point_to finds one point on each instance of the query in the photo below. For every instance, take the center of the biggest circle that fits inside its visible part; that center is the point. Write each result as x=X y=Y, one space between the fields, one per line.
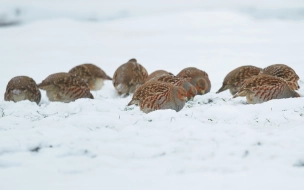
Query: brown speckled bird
x=178 y=81
x=262 y=88
x=284 y=72
x=236 y=78
x=129 y=76
x=198 y=78
x=22 y=88
x=92 y=74
x=158 y=73
x=65 y=87
x=156 y=95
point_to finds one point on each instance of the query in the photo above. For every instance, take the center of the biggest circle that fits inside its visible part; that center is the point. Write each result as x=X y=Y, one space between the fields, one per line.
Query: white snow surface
x=214 y=142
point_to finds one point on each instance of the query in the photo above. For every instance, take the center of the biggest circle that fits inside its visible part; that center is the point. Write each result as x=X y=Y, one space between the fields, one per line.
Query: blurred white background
x=12 y=11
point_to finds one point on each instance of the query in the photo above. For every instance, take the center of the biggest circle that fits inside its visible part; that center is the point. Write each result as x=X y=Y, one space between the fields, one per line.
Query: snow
x=214 y=142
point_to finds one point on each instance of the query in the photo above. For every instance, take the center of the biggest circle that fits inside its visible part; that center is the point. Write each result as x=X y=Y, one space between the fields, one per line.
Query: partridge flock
x=159 y=90
x=260 y=85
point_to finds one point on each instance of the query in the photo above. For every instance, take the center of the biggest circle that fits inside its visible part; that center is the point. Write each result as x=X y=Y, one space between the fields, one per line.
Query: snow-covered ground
x=215 y=142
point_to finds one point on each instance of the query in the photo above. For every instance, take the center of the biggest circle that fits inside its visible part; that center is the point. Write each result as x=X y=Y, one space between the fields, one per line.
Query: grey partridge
x=92 y=74
x=129 y=76
x=262 y=88
x=178 y=81
x=158 y=73
x=22 y=88
x=65 y=87
x=198 y=78
x=284 y=72
x=236 y=78
x=156 y=95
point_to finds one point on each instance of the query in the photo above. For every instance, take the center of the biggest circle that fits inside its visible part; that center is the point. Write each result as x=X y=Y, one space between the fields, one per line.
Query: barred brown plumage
x=92 y=74
x=65 y=87
x=262 y=88
x=285 y=72
x=197 y=78
x=129 y=76
x=22 y=88
x=236 y=78
x=158 y=73
x=178 y=81
x=156 y=95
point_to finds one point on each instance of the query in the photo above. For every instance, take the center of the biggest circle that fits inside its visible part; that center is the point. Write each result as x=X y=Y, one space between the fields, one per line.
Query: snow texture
x=214 y=142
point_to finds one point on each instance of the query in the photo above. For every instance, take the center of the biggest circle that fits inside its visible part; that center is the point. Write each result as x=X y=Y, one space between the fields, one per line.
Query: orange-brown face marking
x=191 y=92
x=182 y=94
x=195 y=76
